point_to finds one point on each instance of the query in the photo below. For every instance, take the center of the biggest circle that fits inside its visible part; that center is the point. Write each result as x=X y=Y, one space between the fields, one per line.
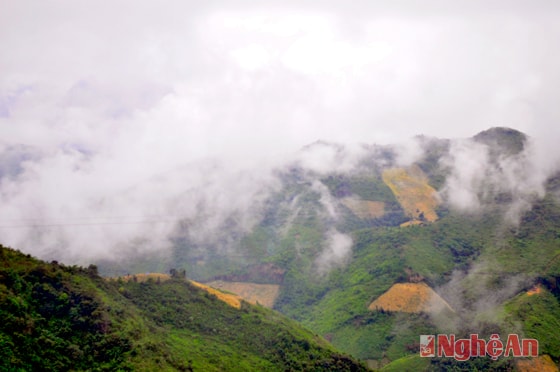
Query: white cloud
x=115 y=94
x=476 y=179
x=470 y=168
x=336 y=253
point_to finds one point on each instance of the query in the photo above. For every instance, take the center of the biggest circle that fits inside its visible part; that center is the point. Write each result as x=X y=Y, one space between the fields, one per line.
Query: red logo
x=427 y=346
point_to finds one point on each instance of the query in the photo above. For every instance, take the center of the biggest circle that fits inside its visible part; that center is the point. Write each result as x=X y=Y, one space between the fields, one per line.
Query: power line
x=86 y=224
x=153 y=219
x=155 y=216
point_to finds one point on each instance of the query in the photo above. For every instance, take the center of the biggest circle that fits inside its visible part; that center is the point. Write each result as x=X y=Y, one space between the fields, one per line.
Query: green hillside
x=481 y=261
x=62 y=318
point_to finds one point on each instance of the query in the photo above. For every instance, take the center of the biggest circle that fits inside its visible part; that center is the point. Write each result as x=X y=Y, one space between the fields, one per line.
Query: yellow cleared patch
x=230 y=299
x=410 y=298
x=414 y=194
x=543 y=363
x=263 y=294
x=365 y=208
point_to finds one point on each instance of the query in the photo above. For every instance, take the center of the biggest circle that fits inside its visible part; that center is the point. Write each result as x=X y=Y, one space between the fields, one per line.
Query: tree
x=178 y=274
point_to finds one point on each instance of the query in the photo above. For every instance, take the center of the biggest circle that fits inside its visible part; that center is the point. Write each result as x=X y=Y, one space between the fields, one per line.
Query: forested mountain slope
x=62 y=318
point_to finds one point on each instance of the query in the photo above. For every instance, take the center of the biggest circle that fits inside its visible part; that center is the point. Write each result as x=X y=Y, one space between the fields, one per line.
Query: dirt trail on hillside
x=263 y=294
x=410 y=298
x=230 y=299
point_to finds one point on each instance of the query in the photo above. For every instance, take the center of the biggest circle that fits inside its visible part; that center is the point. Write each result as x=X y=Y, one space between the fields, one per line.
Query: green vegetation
x=335 y=306
x=540 y=317
x=59 y=318
x=55 y=317
x=483 y=263
x=411 y=363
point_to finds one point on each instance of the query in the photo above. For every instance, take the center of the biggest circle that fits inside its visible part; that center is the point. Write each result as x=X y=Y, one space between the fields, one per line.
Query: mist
x=120 y=122
x=478 y=300
x=337 y=252
x=476 y=181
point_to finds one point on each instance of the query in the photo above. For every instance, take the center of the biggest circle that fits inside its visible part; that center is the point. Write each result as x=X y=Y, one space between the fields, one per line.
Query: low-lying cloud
x=477 y=299
x=476 y=179
x=336 y=253
x=75 y=208
x=114 y=129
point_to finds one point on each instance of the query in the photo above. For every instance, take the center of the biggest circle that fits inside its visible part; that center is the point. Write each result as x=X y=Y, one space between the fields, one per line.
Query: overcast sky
x=113 y=93
x=233 y=76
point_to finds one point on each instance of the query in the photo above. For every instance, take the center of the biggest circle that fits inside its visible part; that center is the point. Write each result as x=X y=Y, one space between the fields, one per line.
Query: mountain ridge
x=58 y=318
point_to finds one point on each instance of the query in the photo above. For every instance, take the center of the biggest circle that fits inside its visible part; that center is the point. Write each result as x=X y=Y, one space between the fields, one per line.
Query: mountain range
x=367 y=248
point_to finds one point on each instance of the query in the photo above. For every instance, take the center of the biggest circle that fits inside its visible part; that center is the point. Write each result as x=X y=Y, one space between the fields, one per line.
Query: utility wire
x=48 y=223
x=86 y=224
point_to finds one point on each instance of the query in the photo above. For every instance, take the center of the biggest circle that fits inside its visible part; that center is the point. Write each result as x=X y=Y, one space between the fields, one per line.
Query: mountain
x=68 y=318
x=503 y=140
x=455 y=220
x=473 y=222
